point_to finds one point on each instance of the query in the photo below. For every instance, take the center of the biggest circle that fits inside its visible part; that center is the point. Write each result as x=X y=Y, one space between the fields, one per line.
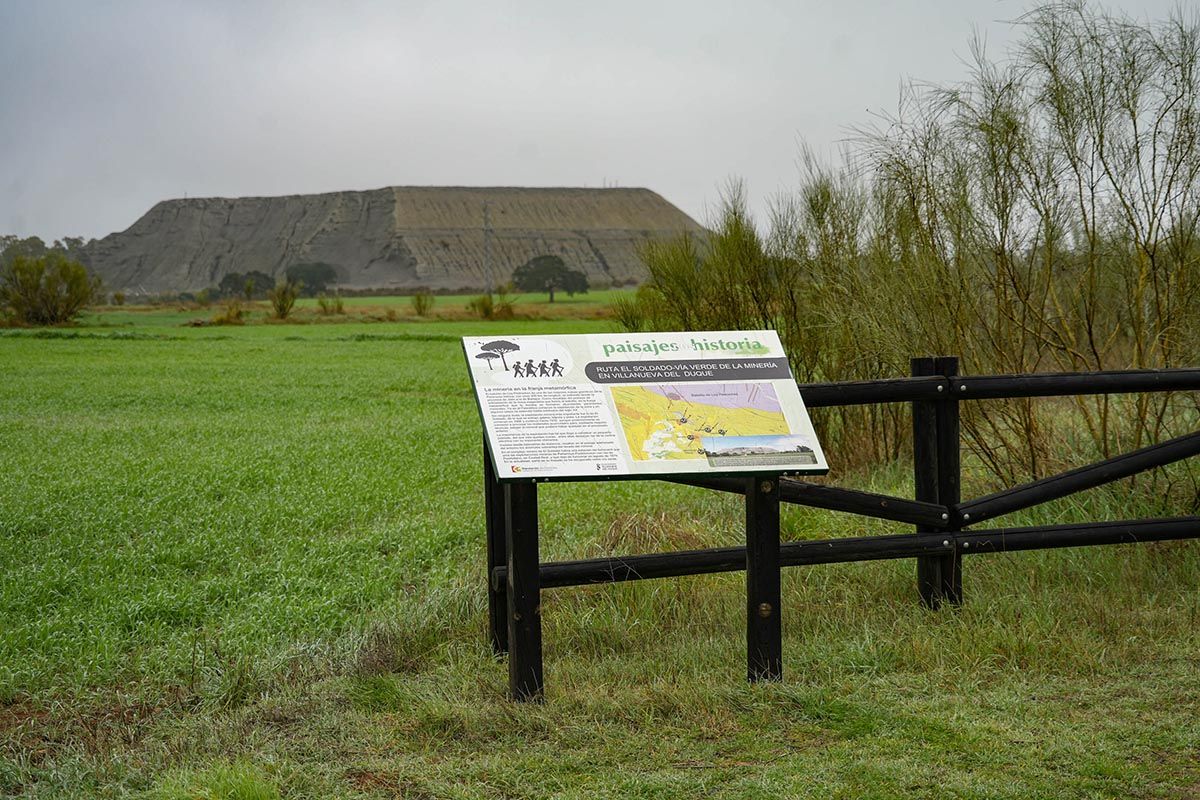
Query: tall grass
x=1040 y=216
x=328 y=305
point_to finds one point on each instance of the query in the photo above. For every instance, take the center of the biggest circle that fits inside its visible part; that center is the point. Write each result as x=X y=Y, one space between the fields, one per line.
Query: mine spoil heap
x=394 y=238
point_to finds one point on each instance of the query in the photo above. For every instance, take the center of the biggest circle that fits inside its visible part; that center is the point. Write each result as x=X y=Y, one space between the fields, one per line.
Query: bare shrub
x=232 y=313
x=504 y=306
x=329 y=305
x=422 y=303
x=482 y=306
x=1041 y=216
x=283 y=298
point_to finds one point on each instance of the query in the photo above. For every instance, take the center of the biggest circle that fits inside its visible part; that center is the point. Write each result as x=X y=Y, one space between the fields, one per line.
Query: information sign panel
x=593 y=406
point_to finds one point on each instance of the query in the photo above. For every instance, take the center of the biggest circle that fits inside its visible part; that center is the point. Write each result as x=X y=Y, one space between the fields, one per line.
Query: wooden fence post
x=937 y=479
x=524 y=592
x=925 y=480
x=764 y=635
x=949 y=471
x=497 y=555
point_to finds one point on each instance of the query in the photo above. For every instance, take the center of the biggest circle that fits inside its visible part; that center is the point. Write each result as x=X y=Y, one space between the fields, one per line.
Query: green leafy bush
x=47 y=290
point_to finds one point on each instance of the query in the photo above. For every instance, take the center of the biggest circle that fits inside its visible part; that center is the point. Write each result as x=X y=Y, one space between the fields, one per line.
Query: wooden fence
x=943 y=522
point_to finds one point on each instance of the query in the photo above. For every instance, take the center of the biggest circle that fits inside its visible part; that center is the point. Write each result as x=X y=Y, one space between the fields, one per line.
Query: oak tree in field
x=549 y=274
x=314 y=276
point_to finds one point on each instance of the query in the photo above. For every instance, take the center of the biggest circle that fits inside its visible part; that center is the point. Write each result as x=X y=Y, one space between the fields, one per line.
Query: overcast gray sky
x=107 y=108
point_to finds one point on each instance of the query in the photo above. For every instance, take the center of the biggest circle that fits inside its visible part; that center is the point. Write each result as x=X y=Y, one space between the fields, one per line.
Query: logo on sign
x=531 y=361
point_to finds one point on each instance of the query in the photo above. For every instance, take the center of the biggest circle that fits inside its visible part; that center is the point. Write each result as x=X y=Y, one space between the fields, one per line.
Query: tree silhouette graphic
x=488 y=356
x=500 y=347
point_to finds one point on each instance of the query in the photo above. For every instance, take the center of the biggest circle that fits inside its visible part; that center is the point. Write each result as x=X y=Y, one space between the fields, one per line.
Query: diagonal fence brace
x=835 y=498
x=1077 y=480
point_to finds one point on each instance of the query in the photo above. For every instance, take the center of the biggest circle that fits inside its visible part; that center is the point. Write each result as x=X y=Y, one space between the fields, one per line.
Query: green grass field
x=569 y=309
x=247 y=562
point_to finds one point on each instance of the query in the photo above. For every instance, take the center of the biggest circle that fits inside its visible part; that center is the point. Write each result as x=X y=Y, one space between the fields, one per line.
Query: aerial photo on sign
x=640 y=405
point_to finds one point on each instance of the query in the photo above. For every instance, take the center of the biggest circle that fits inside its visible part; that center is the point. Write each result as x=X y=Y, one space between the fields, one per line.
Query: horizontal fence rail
x=617 y=569
x=999 y=540
x=834 y=498
x=991 y=387
x=988 y=387
x=888 y=390
x=1077 y=480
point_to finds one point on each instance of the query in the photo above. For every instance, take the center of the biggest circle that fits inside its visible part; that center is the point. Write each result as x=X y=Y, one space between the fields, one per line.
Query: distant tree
x=33 y=247
x=313 y=276
x=46 y=290
x=248 y=285
x=548 y=274
x=71 y=246
x=575 y=283
x=15 y=247
x=232 y=284
x=258 y=284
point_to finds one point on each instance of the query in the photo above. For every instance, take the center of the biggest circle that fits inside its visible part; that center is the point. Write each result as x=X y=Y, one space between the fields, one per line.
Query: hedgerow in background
x=1040 y=216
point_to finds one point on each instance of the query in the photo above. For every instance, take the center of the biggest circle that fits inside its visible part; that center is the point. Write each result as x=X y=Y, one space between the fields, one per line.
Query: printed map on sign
x=672 y=421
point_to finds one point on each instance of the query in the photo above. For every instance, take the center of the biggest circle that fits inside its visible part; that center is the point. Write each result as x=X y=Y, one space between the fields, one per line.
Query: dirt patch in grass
x=38 y=733
x=367 y=780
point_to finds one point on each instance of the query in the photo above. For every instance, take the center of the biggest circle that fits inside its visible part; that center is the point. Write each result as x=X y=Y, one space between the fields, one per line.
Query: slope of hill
x=396 y=237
